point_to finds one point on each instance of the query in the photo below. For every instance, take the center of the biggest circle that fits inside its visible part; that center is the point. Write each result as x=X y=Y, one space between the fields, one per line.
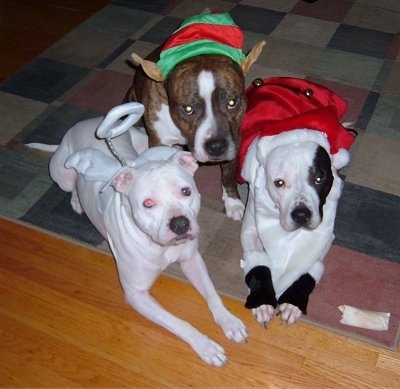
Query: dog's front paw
x=263 y=314
x=233 y=328
x=234 y=208
x=209 y=351
x=289 y=313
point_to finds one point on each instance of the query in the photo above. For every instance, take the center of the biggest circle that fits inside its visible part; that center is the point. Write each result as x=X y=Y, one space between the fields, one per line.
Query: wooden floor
x=28 y=27
x=64 y=322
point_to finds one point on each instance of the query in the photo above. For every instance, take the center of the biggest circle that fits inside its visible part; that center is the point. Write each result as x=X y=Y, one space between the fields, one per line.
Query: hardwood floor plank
x=389 y=361
x=56 y=362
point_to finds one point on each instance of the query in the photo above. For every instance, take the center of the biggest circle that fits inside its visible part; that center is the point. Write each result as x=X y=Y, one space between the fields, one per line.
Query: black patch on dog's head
x=320 y=176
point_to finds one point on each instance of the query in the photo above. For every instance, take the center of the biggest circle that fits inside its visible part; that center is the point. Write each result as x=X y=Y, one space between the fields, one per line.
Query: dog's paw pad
x=289 y=313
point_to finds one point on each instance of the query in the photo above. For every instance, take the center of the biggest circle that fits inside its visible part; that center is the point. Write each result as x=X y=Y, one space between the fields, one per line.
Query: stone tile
x=187 y=8
x=368 y=221
x=334 y=11
x=391 y=87
x=346 y=68
x=82 y=47
x=119 y=60
x=24 y=179
x=44 y=80
x=103 y=91
x=15 y=113
x=393 y=5
x=385 y=121
x=117 y=21
x=155 y=6
x=162 y=30
x=123 y=63
x=361 y=41
x=282 y=5
x=53 y=212
x=367 y=110
x=294 y=57
x=394 y=50
x=373 y=17
x=376 y=164
x=254 y=19
x=304 y=29
x=51 y=125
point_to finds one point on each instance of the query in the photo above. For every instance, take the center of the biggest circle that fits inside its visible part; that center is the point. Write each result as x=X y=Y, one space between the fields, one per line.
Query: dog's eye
x=186 y=191
x=148 y=203
x=232 y=103
x=318 y=180
x=188 y=109
x=279 y=183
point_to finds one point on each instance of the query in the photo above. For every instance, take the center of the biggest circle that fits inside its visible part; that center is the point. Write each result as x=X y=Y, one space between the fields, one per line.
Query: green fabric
x=171 y=57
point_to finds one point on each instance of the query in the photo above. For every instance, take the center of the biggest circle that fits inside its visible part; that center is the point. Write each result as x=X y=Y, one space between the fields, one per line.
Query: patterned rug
x=352 y=47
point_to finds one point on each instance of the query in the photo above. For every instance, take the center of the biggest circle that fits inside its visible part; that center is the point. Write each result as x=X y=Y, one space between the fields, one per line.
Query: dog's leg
x=75 y=202
x=197 y=273
x=261 y=300
x=209 y=351
x=234 y=207
x=294 y=300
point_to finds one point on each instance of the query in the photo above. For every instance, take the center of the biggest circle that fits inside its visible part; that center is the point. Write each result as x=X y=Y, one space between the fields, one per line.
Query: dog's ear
x=186 y=159
x=149 y=67
x=263 y=149
x=252 y=56
x=123 y=180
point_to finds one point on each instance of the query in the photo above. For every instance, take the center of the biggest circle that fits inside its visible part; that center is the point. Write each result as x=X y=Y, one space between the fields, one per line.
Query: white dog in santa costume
x=292 y=147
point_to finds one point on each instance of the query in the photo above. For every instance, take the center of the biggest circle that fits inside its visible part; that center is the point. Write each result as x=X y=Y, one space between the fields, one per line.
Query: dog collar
x=202 y=34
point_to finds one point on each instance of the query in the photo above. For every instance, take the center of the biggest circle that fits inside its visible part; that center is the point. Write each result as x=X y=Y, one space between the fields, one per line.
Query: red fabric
x=225 y=34
x=280 y=104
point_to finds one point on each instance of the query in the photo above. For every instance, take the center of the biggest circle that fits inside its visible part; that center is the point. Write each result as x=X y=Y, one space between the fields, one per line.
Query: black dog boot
x=262 y=291
x=298 y=293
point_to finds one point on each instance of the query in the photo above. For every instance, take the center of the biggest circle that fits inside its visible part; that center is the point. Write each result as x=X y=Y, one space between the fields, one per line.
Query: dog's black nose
x=215 y=147
x=301 y=215
x=180 y=225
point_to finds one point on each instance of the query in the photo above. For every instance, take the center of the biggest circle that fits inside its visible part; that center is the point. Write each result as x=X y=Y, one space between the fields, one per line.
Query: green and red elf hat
x=202 y=34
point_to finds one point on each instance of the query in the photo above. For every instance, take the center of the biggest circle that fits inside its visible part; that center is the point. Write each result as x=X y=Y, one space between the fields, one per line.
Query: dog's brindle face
x=165 y=203
x=299 y=178
x=207 y=102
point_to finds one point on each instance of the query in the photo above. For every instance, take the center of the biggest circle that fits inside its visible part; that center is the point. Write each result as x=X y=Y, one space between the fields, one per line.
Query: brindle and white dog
x=193 y=88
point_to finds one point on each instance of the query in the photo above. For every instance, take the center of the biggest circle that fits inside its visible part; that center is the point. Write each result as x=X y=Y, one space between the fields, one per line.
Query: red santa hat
x=280 y=104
